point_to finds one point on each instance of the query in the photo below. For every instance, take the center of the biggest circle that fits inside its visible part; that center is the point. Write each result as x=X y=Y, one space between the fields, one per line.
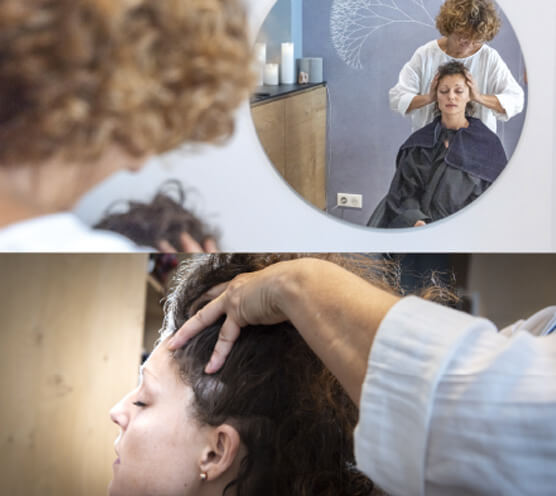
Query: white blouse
x=62 y=232
x=451 y=406
x=487 y=68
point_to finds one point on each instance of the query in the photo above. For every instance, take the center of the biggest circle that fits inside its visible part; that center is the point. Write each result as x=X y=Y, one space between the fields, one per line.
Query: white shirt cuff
x=413 y=346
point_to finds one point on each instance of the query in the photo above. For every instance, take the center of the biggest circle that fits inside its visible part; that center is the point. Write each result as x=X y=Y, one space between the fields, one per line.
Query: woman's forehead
x=452 y=80
x=160 y=365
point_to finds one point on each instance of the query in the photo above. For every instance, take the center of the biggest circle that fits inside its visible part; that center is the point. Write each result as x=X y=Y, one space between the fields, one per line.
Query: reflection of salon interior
x=339 y=150
x=75 y=327
x=289 y=105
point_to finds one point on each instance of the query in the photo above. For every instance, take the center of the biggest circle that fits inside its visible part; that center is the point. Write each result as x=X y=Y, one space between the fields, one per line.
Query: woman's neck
x=14 y=208
x=455 y=122
x=28 y=191
x=444 y=45
x=31 y=190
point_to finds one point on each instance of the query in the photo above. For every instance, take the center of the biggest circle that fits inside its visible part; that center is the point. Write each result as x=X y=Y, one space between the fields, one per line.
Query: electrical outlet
x=349 y=200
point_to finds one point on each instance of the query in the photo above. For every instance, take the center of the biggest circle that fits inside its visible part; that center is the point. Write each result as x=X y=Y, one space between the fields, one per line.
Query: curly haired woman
x=465 y=26
x=90 y=87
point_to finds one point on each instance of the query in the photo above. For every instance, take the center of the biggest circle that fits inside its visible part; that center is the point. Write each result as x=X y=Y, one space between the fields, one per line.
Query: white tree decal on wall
x=353 y=22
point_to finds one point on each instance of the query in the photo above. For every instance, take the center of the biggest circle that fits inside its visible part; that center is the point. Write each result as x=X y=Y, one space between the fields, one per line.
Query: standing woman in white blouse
x=465 y=26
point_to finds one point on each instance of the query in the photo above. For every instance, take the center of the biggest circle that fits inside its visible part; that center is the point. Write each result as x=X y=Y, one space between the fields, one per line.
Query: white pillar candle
x=271 y=74
x=288 y=64
x=260 y=60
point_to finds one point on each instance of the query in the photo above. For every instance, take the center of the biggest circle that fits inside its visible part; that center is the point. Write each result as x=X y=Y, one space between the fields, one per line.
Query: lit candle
x=271 y=74
x=260 y=60
x=288 y=64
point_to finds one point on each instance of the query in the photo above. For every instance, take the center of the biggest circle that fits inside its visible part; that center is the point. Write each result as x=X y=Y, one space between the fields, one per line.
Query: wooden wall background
x=71 y=335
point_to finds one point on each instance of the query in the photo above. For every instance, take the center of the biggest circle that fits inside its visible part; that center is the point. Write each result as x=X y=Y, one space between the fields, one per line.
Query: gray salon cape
x=432 y=181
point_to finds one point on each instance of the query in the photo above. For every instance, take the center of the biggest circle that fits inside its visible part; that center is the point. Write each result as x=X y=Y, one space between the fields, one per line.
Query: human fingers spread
x=208 y=315
x=165 y=247
x=210 y=246
x=433 y=88
x=226 y=338
x=189 y=245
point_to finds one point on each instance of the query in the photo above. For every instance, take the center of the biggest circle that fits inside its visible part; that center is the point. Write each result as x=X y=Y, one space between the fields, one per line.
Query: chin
x=113 y=489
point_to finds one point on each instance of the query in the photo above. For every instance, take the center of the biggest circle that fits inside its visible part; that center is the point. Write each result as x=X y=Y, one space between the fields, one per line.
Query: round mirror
x=361 y=133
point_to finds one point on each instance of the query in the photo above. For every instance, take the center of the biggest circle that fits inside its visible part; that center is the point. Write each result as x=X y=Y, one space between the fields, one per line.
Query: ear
x=221 y=452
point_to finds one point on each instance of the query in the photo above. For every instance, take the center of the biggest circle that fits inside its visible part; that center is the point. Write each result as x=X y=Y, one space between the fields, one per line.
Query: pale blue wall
x=284 y=23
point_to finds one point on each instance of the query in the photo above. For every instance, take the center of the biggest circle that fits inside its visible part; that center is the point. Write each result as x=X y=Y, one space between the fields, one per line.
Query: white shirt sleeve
x=503 y=85
x=409 y=84
x=451 y=406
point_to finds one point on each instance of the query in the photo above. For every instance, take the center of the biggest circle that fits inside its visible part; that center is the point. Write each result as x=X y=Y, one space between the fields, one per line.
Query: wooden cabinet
x=292 y=130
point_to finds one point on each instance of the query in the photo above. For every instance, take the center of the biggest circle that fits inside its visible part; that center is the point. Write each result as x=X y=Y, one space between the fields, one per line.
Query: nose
x=118 y=414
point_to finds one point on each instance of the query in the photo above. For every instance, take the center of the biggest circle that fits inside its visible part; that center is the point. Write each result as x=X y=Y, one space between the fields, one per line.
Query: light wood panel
x=292 y=131
x=71 y=335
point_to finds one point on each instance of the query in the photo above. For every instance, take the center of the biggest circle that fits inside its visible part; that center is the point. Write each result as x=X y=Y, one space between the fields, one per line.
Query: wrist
x=290 y=283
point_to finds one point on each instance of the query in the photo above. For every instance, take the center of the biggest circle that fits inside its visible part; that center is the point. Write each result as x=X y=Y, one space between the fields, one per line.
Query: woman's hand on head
x=249 y=298
x=474 y=93
x=188 y=245
x=433 y=88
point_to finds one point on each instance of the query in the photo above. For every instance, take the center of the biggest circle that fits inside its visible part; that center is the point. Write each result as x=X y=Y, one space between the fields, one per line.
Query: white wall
x=256 y=210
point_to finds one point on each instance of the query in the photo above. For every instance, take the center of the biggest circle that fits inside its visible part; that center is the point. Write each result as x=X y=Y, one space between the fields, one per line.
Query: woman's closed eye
x=139 y=404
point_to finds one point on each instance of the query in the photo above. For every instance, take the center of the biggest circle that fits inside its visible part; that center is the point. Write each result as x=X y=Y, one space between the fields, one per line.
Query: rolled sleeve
x=512 y=102
x=505 y=87
x=413 y=347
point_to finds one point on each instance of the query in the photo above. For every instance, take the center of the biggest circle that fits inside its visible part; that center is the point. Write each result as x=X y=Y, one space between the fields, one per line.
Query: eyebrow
x=142 y=370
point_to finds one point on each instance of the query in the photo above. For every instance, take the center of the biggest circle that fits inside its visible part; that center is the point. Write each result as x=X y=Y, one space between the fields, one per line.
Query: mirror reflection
x=384 y=141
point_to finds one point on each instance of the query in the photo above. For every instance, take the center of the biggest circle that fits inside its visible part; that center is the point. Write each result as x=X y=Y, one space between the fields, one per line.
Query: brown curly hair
x=291 y=413
x=77 y=76
x=477 y=18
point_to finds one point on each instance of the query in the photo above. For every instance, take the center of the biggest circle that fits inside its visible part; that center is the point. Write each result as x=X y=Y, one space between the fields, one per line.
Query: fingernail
x=209 y=369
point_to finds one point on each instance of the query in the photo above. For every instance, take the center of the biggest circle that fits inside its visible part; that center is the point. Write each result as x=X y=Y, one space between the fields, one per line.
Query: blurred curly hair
x=77 y=76
x=165 y=217
x=477 y=18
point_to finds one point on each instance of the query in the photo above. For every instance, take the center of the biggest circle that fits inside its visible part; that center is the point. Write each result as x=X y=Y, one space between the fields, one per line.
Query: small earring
x=204 y=476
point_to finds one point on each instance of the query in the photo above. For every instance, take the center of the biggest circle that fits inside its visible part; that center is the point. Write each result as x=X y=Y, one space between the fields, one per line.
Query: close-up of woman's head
x=273 y=420
x=471 y=20
x=452 y=89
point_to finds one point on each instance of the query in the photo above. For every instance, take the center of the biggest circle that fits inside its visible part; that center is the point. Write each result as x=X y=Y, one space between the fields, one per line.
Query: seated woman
x=444 y=166
x=272 y=421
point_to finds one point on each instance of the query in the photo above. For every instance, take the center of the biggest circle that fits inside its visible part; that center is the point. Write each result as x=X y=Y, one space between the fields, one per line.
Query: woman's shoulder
x=488 y=54
x=476 y=125
x=429 y=48
x=424 y=137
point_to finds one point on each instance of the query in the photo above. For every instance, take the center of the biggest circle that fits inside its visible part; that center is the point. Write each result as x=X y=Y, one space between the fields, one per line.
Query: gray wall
x=360 y=67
